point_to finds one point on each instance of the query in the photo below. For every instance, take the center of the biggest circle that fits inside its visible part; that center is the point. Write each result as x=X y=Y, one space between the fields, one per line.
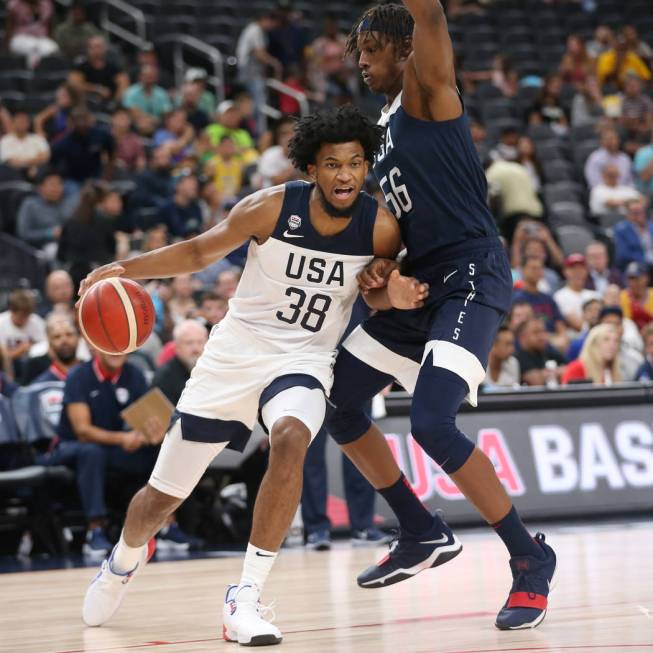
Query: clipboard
x=152 y=404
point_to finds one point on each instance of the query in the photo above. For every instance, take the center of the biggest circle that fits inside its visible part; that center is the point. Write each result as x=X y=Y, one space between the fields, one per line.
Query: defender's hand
x=103 y=272
x=376 y=274
x=406 y=292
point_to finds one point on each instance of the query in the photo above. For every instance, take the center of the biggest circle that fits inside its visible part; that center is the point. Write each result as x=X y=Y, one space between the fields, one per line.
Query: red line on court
x=444 y=617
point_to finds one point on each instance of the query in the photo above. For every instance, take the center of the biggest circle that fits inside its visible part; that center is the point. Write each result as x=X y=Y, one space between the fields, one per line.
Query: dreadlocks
x=392 y=20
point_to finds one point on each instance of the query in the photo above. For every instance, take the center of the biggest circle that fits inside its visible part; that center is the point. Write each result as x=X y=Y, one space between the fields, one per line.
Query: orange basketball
x=116 y=315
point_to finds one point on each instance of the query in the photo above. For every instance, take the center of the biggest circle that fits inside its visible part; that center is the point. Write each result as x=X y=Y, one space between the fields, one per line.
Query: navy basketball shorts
x=470 y=294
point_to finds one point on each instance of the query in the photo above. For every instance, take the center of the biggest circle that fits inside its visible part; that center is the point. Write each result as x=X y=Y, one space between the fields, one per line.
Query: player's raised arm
x=253 y=217
x=433 y=58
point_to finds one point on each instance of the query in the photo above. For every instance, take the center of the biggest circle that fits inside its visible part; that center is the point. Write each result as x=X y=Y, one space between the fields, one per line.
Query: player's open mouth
x=344 y=192
x=366 y=77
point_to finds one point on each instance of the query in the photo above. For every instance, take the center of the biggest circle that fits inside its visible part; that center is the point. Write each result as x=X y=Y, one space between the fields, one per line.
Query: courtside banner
x=553 y=462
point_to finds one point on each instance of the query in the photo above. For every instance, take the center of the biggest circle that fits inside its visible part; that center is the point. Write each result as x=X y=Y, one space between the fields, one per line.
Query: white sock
x=125 y=558
x=257 y=566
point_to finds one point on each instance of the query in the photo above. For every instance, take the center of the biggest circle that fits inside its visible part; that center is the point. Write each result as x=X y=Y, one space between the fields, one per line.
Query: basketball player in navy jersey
x=434 y=184
x=271 y=357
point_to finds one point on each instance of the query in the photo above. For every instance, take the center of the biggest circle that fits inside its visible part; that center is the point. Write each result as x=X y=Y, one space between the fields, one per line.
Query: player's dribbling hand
x=406 y=292
x=376 y=274
x=103 y=272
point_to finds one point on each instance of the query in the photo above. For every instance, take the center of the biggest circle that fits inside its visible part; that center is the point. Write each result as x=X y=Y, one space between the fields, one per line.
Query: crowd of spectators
x=120 y=162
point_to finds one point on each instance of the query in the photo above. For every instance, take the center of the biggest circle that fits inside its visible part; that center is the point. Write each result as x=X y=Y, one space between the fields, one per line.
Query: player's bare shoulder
x=387 y=235
x=260 y=211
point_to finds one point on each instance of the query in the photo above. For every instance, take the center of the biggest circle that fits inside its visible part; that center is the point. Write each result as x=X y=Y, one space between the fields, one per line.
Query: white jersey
x=298 y=288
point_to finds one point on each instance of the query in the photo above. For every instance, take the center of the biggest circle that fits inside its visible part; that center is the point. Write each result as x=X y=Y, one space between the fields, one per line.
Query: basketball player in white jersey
x=271 y=356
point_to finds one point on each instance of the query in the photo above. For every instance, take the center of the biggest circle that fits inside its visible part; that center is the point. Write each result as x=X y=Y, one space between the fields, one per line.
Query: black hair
x=392 y=20
x=342 y=125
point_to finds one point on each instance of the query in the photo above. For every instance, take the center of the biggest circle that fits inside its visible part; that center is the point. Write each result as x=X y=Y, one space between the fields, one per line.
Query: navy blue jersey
x=433 y=182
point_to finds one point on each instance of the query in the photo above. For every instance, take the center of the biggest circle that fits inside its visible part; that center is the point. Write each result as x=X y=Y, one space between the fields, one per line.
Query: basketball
x=116 y=315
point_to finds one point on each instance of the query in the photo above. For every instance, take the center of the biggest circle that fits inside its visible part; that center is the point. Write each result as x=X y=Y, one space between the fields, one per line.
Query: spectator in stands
x=227 y=282
x=87 y=152
x=601 y=275
x=547 y=108
x=195 y=79
x=598 y=362
x=155 y=185
x=613 y=65
x=513 y=194
x=636 y=111
x=506 y=148
x=591 y=313
x=479 y=136
x=63 y=340
x=502 y=75
x=54 y=121
x=637 y=298
x=94 y=437
x=182 y=305
x=576 y=65
x=59 y=293
x=645 y=371
x=226 y=169
x=73 y=34
x=527 y=156
x=253 y=59
x=42 y=216
x=635 y=44
x=21 y=149
x=147 y=101
x=533 y=238
x=189 y=337
x=7 y=386
x=129 y=149
x=587 y=103
x=631 y=345
x=633 y=237
x=88 y=238
x=535 y=352
x=212 y=310
x=20 y=326
x=602 y=42
x=190 y=101
x=610 y=197
x=520 y=311
x=228 y=124
x=98 y=77
x=572 y=296
x=327 y=64
x=29 y=24
x=643 y=168
x=182 y=214
x=544 y=307
x=176 y=136
x=503 y=368
x=274 y=167
x=608 y=153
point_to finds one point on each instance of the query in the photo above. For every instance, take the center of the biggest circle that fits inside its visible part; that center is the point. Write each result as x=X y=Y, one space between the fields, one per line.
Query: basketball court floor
x=602 y=602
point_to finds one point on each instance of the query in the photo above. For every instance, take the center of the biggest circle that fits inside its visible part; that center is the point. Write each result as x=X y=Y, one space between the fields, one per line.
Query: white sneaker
x=242 y=620
x=108 y=588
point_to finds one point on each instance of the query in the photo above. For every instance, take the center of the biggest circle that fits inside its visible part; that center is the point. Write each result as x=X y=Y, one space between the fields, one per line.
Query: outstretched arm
x=252 y=217
x=433 y=58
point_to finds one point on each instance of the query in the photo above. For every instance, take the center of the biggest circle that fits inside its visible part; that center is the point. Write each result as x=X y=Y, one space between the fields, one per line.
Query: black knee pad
x=437 y=399
x=347 y=424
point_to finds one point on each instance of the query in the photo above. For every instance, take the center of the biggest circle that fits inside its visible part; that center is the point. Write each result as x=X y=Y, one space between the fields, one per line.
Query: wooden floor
x=603 y=602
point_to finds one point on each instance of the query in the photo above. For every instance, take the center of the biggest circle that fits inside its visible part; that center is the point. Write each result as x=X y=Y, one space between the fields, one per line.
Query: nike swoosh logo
x=443 y=540
x=449 y=276
x=94 y=393
x=289 y=235
x=262 y=555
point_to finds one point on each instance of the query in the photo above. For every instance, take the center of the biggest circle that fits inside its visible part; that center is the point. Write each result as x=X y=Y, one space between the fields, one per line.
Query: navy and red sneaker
x=409 y=555
x=532 y=578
